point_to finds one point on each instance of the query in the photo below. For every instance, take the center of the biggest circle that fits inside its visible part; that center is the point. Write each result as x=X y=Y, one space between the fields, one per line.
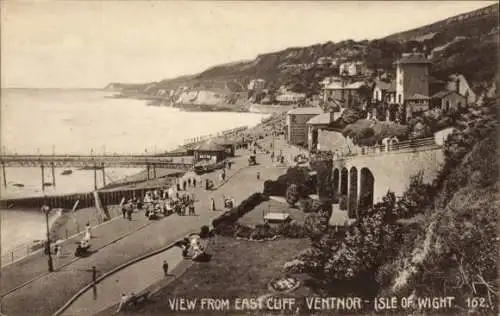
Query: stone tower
x=412 y=76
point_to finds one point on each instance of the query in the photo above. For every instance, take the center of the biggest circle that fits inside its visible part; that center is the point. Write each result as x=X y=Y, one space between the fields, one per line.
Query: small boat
x=18 y=185
x=47 y=184
x=66 y=172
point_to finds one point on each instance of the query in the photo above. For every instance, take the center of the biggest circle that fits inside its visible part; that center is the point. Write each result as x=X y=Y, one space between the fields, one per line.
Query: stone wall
x=392 y=170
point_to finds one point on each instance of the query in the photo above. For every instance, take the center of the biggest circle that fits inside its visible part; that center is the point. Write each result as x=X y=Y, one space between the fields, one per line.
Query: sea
x=83 y=121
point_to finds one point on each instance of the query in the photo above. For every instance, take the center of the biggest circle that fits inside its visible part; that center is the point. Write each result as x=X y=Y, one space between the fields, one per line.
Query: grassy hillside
x=467 y=43
x=454 y=250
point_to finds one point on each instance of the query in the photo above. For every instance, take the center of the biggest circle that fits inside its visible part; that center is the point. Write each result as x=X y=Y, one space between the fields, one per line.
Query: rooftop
x=443 y=93
x=325 y=118
x=340 y=86
x=210 y=146
x=418 y=96
x=307 y=110
x=355 y=85
x=335 y=86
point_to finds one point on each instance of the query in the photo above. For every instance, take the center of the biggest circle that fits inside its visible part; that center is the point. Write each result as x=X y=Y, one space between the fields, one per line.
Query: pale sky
x=91 y=43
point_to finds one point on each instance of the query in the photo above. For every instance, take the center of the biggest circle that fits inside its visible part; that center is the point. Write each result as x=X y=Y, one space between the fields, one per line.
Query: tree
x=367 y=242
x=351 y=115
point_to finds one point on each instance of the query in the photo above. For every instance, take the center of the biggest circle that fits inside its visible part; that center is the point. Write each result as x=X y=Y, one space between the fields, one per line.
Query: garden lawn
x=238 y=268
x=255 y=216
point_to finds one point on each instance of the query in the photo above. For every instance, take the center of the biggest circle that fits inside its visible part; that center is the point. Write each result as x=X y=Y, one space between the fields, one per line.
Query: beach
x=81 y=122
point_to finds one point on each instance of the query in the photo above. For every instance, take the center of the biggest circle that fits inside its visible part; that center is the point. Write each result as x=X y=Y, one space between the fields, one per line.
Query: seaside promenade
x=120 y=241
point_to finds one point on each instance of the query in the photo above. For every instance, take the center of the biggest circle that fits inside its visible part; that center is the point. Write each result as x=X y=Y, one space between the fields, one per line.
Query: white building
x=257 y=84
x=291 y=97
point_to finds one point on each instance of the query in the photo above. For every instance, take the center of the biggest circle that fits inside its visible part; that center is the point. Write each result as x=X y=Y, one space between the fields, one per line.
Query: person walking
x=184 y=185
x=258 y=175
x=189 y=182
x=129 y=212
x=178 y=186
x=212 y=204
x=165 y=267
x=194 y=182
x=124 y=211
x=123 y=301
x=88 y=234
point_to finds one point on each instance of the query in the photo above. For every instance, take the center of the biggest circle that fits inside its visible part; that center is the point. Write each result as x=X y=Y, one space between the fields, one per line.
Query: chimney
x=457 y=85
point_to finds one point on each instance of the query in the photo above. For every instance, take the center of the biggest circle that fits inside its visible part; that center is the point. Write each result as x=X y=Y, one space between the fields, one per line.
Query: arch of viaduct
x=365 y=179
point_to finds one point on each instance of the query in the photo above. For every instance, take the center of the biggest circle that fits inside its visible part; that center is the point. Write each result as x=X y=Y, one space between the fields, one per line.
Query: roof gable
x=443 y=93
x=306 y=110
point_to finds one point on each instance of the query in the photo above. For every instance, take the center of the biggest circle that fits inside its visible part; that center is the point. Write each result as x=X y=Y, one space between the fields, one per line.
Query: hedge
x=244 y=207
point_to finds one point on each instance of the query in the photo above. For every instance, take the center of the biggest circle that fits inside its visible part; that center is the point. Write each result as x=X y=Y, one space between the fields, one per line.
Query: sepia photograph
x=249 y=158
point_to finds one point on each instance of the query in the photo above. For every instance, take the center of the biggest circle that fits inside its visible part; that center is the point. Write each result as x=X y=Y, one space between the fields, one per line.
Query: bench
x=133 y=301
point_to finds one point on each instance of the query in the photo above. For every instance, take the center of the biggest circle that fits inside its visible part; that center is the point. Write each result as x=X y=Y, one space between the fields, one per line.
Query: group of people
x=184 y=183
x=161 y=202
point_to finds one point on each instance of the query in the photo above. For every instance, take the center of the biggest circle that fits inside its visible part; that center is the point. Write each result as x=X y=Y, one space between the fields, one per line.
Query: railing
x=97 y=160
x=400 y=147
x=72 y=226
x=198 y=139
x=75 y=227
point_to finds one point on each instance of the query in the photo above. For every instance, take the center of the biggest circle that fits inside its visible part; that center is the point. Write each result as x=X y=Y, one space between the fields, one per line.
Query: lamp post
x=46 y=211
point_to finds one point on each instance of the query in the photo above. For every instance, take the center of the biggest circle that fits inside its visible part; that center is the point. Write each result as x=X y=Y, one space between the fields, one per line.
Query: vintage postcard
x=249 y=158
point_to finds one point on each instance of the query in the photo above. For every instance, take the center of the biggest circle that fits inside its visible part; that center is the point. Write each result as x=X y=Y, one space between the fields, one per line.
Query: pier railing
x=133 y=160
x=194 y=140
x=74 y=224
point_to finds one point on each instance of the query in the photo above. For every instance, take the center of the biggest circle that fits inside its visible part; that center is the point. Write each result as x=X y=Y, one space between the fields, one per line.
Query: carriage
x=252 y=161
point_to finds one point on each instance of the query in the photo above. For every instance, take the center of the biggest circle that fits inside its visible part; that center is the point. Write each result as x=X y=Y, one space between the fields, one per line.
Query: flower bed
x=260 y=240
x=284 y=284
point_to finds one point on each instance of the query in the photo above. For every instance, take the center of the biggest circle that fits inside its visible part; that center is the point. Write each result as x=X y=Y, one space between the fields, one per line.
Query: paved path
x=46 y=294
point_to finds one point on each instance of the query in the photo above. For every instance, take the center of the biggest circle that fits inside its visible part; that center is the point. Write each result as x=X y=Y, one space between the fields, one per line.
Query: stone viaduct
x=365 y=178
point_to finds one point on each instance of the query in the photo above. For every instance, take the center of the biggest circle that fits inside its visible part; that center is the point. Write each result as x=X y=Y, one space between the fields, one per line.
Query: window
x=446 y=105
x=399 y=98
x=292 y=119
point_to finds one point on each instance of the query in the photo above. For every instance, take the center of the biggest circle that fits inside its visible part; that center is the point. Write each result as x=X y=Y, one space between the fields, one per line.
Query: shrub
x=343 y=202
x=292 y=194
x=226 y=229
x=315 y=225
x=294 y=266
x=204 y=231
x=295 y=175
x=292 y=230
x=262 y=231
x=366 y=243
x=351 y=115
x=243 y=232
x=306 y=205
